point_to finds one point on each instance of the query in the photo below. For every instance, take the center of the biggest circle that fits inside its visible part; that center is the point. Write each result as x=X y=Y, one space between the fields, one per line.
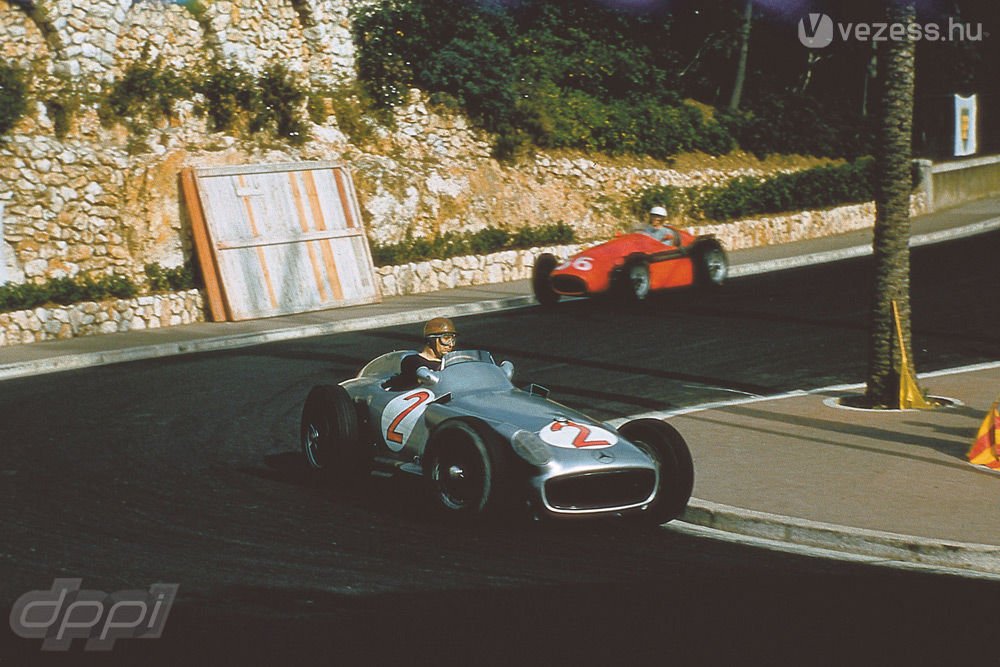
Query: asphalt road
x=185 y=471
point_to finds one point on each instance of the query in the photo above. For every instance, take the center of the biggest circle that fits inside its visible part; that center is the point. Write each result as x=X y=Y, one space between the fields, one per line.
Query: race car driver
x=439 y=339
x=657 y=226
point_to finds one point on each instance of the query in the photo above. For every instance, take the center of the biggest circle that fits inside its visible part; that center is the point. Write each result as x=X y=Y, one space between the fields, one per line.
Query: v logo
x=811 y=27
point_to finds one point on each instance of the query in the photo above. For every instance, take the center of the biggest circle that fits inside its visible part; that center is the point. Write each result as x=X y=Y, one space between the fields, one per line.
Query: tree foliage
x=590 y=75
x=560 y=74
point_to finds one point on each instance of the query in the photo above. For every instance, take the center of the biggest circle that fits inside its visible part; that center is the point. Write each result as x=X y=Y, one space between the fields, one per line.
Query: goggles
x=447 y=339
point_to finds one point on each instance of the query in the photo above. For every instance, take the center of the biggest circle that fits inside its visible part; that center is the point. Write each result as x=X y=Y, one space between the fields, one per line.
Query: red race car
x=632 y=265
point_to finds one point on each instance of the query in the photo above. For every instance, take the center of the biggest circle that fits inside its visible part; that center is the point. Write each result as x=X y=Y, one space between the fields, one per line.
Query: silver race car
x=483 y=445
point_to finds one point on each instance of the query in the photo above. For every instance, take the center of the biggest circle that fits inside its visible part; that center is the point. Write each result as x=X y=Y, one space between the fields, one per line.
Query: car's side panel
x=675 y=271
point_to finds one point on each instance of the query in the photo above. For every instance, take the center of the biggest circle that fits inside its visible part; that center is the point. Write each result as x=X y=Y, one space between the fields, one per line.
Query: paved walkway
x=888 y=486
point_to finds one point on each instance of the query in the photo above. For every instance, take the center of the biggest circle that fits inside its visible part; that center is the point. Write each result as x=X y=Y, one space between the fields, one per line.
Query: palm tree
x=892 y=205
x=741 y=63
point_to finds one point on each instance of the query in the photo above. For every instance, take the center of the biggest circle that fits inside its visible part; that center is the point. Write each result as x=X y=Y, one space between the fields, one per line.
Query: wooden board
x=282 y=239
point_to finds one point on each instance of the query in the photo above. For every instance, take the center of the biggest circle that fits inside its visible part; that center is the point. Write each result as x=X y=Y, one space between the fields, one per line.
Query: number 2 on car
x=401 y=415
x=571 y=435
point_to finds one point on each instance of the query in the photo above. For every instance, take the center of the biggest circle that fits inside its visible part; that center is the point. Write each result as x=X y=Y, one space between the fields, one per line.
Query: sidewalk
x=892 y=485
x=888 y=486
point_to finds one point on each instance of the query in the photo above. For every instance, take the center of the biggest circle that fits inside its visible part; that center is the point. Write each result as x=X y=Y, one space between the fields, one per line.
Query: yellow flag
x=910 y=393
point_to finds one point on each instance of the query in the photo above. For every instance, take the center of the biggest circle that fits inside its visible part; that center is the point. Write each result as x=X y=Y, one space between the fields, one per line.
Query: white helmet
x=658 y=210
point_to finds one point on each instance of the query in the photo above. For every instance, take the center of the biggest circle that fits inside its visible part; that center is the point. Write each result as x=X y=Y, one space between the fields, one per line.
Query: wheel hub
x=312 y=440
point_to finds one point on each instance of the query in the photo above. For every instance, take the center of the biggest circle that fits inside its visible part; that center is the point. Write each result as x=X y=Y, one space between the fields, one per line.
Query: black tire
x=543 y=268
x=632 y=283
x=465 y=465
x=711 y=266
x=666 y=446
x=329 y=433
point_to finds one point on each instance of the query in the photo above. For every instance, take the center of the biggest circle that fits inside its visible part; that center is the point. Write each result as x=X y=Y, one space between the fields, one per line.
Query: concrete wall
x=956 y=182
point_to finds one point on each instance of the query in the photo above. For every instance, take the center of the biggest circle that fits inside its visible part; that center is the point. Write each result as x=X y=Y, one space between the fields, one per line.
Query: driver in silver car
x=440 y=337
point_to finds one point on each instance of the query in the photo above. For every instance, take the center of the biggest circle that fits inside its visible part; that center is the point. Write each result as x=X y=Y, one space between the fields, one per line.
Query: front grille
x=600 y=490
x=569 y=285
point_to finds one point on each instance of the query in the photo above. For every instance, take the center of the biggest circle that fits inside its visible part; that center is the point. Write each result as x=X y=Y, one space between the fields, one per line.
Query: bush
x=798 y=124
x=676 y=200
x=744 y=196
x=357 y=114
x=277 y=104
x=816 y=188
x=228 y=91
x=553 y=74
x=67 y=291
x=234 y=99
x=451 y=244
x=174 y=279
x=13 y=97
x=145 y=92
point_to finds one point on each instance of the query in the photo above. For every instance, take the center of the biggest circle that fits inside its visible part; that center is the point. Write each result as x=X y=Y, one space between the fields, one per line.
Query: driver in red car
x=657 y=227
x=440 y=337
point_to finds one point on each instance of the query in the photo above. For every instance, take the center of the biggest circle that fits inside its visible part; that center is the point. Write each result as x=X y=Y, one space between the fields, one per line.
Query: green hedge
x=453 y=244
x=816 y=188
x=745 y=196
x=67 y=291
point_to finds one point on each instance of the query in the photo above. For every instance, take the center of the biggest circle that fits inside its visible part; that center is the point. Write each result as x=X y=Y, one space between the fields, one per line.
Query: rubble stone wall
x=90 y=318
x=148 y=312
x=94 y=198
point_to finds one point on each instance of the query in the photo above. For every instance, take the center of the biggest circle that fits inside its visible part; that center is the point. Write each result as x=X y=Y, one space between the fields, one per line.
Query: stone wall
x=91 y=318
x=148 y=312
x=429 y=276
x=99 y=199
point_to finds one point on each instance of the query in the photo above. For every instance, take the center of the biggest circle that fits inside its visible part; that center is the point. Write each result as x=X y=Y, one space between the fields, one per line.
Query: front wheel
x=673 y=458
x=633 y=283
x=540 y=274
x=329 y=432
x=465 y=467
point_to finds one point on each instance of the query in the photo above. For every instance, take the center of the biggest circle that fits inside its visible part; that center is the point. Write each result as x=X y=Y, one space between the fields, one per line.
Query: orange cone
x=984 y=451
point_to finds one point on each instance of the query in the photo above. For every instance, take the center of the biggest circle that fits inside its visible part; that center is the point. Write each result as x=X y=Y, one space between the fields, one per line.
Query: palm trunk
x=741 y=65
x=892 y=206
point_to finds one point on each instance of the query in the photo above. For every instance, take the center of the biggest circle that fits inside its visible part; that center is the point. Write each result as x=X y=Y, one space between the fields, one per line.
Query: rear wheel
x=540 y=274
x=465 y=466
x=329 y=432
x=711 y=265
x=665 y=446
